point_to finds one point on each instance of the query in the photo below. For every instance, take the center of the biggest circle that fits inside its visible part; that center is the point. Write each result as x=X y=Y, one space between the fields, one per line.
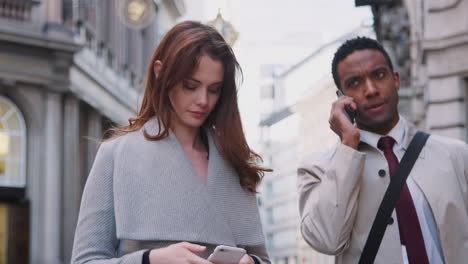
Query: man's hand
x=182 y=253
x=341 y=125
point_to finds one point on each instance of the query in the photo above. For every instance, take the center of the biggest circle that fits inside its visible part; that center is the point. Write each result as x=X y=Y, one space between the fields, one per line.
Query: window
x=12 y=145
x=268 y=189
x=269 y=241
x=87 y=11
x=269 y=215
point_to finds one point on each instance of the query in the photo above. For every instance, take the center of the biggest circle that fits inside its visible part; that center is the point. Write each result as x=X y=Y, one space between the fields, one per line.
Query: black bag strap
x=391 y=197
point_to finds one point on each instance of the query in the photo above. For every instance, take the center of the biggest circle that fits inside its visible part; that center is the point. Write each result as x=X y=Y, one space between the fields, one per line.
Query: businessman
x=340 y=191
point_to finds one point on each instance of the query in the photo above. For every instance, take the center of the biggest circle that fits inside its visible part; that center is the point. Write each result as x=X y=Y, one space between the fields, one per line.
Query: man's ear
x=157 y=66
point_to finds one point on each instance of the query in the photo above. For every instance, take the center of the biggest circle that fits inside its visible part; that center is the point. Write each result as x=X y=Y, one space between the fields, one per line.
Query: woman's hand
x=246 y=259
x=182 y=253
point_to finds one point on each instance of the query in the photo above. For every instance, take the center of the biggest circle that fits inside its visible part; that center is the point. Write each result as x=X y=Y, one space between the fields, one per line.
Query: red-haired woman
x=180 y=179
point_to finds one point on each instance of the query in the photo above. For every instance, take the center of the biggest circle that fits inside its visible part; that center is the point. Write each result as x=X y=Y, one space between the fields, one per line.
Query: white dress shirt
x=423 y=210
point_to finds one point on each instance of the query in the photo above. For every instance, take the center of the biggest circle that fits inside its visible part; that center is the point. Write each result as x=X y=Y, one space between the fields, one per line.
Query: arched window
x=12 y=145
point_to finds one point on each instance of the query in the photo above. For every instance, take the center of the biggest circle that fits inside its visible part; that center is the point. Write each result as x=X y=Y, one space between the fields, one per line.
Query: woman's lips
x=197 y=114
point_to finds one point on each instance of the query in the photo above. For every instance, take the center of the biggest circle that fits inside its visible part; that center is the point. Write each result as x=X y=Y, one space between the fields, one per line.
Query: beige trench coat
x=340 y=193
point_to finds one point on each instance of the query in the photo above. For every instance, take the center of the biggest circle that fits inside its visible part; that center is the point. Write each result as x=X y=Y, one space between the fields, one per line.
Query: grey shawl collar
x=159 y=196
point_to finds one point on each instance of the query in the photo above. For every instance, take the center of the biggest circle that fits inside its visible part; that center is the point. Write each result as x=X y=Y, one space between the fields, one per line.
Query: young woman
x=180 y=179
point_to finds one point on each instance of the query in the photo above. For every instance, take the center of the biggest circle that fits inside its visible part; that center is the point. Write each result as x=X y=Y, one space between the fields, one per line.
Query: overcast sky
x=277 y=32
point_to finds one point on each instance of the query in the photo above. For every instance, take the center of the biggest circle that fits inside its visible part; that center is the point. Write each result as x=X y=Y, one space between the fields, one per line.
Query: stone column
x=94 y=134
x=72 y=173
x=54 y=11
x=445 y=48
x=53 y=154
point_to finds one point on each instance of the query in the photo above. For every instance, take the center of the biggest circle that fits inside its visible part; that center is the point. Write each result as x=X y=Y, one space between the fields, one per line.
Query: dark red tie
x=408 y=223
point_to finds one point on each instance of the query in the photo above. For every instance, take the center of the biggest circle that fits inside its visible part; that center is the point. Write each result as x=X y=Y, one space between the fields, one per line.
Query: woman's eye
x=189 y=87
x=214 y=90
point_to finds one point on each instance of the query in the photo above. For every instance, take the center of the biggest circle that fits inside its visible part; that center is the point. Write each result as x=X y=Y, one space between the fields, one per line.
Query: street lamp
x=136 y=14
x=225 y=28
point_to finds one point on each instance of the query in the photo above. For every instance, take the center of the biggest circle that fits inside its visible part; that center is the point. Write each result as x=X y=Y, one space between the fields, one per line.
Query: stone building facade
x=429 y=41
x=69 y=69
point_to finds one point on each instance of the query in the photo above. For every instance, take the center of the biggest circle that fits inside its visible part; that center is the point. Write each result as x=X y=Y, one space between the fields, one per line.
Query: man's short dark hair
x=351 y=45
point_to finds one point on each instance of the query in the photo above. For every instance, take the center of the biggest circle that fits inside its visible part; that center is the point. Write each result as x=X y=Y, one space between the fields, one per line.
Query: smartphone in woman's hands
x=226 y=255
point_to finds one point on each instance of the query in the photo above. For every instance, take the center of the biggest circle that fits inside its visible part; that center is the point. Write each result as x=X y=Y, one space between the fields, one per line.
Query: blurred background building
x=296 y=103
x=68 y=70
x=428 y=41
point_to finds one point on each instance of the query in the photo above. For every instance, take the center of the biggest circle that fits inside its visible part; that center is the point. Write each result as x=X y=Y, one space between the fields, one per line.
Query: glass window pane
x=11 y=145
x=14 y=172
x=4 y=144
x=3 y=108
x=15 y=147
x=2 y=167
x=13 y=122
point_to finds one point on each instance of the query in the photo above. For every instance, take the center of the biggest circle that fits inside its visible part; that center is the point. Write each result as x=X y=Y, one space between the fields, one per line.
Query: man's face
x=366 y=77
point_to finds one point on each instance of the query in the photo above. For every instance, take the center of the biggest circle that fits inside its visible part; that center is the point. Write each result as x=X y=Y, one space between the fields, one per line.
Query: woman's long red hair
x=179 y=52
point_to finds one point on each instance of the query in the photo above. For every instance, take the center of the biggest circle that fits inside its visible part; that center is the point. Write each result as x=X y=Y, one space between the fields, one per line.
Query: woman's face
x=194 y=98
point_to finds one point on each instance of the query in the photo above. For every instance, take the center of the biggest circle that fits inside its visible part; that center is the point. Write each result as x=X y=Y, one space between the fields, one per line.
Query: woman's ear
x=157 y=66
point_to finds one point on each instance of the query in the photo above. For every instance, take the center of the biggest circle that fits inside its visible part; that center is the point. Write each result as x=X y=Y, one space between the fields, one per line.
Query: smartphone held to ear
x=348 y=111
x=226 y=255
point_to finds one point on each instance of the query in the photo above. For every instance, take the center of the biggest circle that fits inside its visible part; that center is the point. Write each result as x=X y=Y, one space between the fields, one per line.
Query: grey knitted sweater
x=148 y=192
